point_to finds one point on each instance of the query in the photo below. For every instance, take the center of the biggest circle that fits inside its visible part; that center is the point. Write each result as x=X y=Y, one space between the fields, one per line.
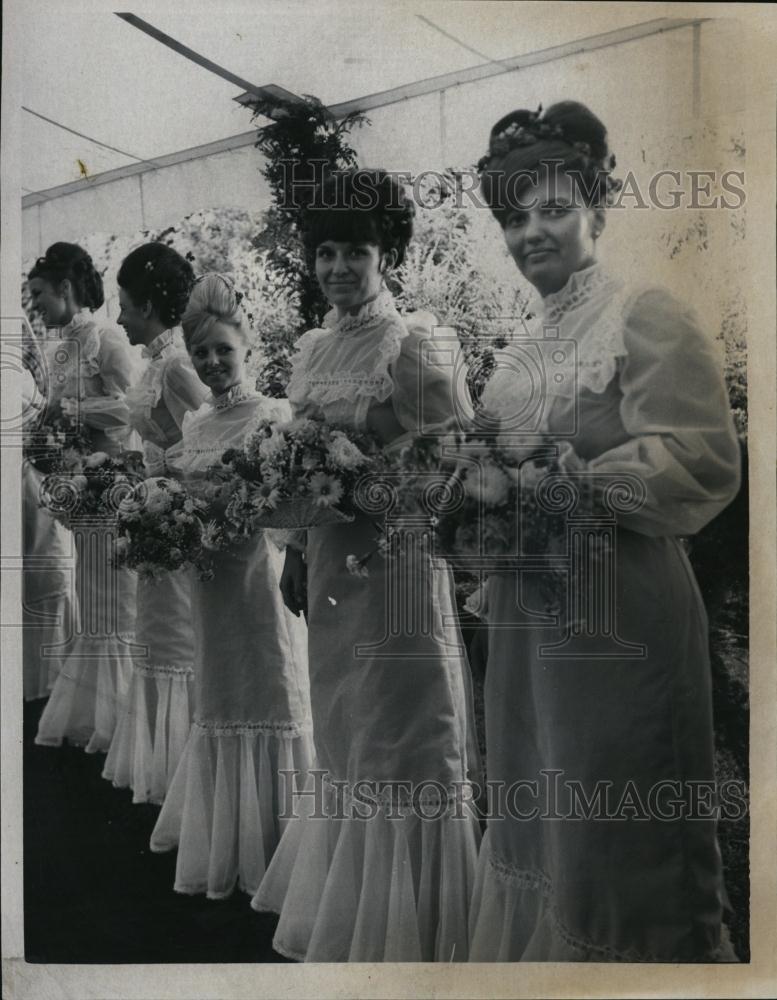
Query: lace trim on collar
x=83 y=329
x=379 y=308
x=234 y=395
x=581 y=287
x=158 y=345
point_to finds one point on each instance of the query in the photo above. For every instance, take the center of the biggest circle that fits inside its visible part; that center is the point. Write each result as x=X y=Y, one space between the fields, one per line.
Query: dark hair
x=158 y=274
x=568 y=135
x=68 y=261
x=359 y=206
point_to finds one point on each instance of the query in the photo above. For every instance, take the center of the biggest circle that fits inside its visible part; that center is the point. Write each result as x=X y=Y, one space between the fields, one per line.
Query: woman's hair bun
x=213 y=298
x=68 y=261
x=156 y=273
x=579 y=124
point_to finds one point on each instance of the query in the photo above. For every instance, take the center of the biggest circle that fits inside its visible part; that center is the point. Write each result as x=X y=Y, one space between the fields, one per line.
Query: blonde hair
x=214 y=299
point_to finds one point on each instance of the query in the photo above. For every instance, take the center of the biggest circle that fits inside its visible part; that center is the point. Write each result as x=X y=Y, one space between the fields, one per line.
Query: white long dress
x=154 y=725
x=224 y=807
x=616 y=708
x=94 y=364
x=49 y=603
x=390 y=689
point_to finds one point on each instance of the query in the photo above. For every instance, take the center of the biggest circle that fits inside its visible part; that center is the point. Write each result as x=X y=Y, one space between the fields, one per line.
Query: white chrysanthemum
x=157 y=499
x=272 y=445
x=344 y=452
x=489 y=484
x=96 y=459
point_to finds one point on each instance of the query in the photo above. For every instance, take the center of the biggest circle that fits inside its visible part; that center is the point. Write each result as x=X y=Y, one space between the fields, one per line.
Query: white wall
x=643 y=90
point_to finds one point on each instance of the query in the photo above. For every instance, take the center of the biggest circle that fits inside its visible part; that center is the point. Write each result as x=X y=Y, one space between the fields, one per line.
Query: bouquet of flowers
x=297 y=474
x=161 y=530
x=480 y=498
x=89 y=485
x=53 y=442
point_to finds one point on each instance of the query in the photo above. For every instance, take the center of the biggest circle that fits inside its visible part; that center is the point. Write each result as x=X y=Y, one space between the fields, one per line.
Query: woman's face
x=219 y=357
x=349 y=274
x=550 y=233
x=134 y=319
x=52 y=302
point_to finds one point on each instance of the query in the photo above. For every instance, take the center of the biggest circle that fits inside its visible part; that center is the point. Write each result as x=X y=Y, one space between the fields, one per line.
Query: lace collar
x=80 y=321
x=158 y=344
x=580 y=288
x=372 y=312
x=234 y=395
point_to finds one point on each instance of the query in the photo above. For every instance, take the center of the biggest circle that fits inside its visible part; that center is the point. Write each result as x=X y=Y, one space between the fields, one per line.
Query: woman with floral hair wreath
x=224 y=810
x=599 y=720
x=89 y=368
x=154 y=286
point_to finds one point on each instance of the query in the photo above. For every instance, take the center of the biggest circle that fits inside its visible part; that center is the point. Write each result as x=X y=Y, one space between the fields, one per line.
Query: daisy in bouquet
x=297 y=474
x=89 y=485
x=161 y=529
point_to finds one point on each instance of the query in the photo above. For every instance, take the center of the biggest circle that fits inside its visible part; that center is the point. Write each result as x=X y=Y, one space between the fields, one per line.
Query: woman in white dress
x=89 y=369
x=154 y=286
x=600 y=718
x=224 y=807
x=390 y=685
x=48 y=592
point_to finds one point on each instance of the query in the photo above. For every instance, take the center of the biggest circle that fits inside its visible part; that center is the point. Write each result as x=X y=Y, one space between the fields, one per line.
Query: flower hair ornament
x=238 y=295
x=525 y=128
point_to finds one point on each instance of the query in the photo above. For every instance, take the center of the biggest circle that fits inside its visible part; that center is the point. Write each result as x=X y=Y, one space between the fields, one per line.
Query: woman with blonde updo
x=252 y=706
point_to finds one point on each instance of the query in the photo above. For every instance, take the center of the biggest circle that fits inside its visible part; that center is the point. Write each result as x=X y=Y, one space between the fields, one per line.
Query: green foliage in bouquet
x=90 y=485
x=160 y=529
x=297 y=474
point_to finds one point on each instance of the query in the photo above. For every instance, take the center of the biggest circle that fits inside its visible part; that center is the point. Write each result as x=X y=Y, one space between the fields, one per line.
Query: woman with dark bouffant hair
x=599 y=717
x=154 y=287
x=89 y=369
x=384 y=869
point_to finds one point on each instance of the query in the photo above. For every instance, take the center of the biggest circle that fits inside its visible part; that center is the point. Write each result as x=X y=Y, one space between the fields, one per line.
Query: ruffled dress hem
x=373 y=890
x=87 y=698
x=514 y=919
x=152 y=732
x=225 y=807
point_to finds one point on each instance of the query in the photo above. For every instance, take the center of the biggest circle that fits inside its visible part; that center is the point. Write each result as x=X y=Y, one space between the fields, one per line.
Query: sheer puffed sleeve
x=683 y=445
x=118 y=365
x=429 y=388
x=118 y=368
x=182 y=391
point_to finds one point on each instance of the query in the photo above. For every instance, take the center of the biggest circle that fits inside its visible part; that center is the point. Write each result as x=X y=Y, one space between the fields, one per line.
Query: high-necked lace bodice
x=374 y=369
x=223 y=422
x=165 y=392
x=632 y=385
x=92 y=363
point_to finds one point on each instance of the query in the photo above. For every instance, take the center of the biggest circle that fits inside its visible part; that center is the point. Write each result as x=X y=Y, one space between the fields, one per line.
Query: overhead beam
x=267 y=92
x=381 y=99
x=497 y=67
